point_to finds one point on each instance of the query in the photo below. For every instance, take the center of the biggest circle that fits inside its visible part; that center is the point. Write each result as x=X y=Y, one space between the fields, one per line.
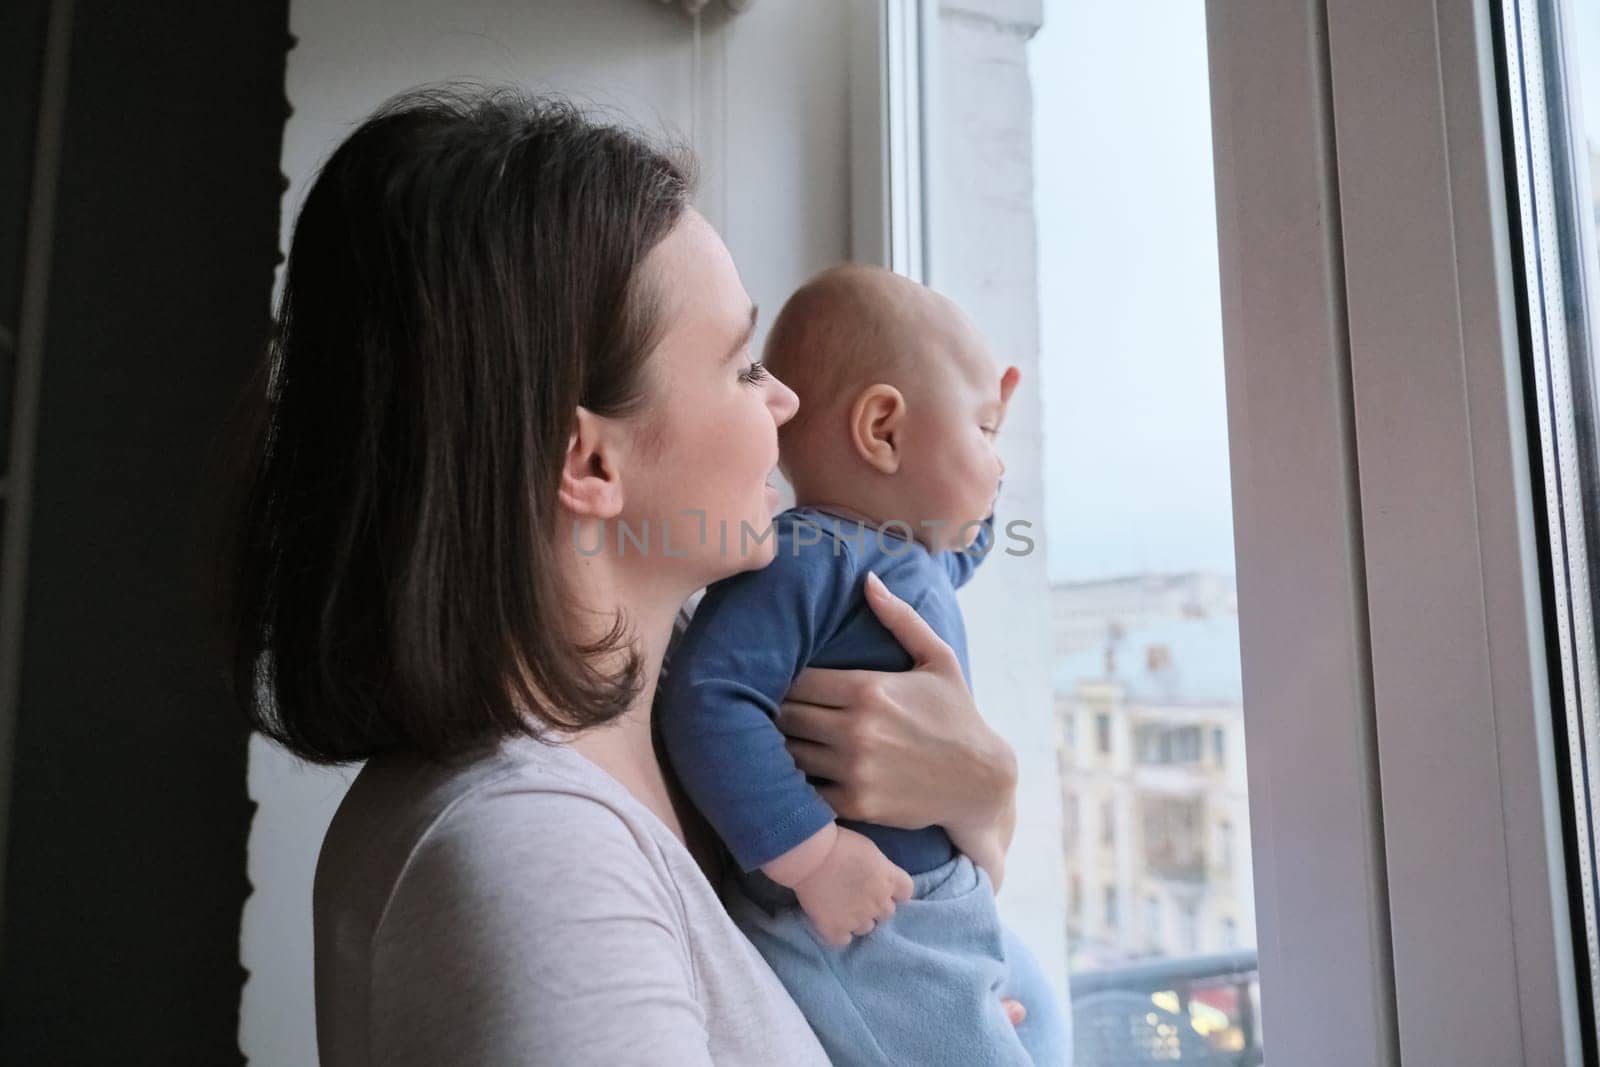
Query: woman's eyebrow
x=744 y=336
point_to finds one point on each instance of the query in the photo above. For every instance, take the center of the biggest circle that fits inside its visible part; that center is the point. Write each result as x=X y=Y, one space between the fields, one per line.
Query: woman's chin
x=753 y=556
x=743 y=543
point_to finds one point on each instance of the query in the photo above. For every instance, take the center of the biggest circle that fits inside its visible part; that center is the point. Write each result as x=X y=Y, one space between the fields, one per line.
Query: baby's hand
x=852 y=890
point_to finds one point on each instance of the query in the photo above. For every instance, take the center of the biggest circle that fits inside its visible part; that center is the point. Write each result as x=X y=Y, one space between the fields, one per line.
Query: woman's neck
x=624 y=747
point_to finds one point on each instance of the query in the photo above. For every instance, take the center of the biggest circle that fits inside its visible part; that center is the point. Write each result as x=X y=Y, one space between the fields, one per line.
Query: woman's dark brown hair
x=464 y=274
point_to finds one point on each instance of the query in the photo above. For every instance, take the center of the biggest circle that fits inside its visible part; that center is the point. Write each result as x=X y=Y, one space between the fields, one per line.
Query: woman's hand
x=905 y=748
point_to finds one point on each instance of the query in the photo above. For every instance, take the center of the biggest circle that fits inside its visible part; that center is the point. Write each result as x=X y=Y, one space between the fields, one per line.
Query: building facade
x=1150 y=739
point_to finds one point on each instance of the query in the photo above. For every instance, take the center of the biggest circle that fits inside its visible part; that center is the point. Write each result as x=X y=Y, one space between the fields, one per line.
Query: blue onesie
x=924 y=987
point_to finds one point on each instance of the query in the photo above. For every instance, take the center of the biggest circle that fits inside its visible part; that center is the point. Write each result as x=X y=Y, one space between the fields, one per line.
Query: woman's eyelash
x=754 y=373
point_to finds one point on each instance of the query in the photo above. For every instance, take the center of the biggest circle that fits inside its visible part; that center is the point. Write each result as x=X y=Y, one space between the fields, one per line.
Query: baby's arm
x=716 y=708
x=750 y=636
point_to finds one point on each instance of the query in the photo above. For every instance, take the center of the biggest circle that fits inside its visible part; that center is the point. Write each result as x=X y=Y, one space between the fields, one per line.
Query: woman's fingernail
x=874 y=580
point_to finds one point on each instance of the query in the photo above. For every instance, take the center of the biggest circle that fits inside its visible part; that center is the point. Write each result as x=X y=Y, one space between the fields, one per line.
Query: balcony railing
x=1192 y=1009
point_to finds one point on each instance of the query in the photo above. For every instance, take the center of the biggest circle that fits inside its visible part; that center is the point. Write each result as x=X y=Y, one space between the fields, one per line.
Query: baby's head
x=900 y=401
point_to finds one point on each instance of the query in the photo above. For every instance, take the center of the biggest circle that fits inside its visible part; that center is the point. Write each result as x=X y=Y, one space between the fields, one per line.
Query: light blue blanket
x=922 y=989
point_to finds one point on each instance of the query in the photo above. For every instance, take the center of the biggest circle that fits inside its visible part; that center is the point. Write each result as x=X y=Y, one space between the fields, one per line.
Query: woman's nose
x=783 y=402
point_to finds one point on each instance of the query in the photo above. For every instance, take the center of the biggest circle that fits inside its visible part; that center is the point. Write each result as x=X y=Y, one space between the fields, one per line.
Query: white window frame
x=1402 y=784
x=1464 y=722
x=889 y=208
x=1410 y=881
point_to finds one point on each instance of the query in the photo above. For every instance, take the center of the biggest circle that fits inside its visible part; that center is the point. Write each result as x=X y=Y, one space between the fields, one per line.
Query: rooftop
x=1199 y=664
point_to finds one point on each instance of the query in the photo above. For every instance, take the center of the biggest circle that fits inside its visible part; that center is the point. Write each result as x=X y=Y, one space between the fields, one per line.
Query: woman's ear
x=591 y=484
x=876 y=418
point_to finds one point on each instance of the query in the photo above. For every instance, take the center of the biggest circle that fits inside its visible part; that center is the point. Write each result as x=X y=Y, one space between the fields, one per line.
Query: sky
x=1136 y=442
x=1586 y=29
x=1136 y=447
x=1585 y=25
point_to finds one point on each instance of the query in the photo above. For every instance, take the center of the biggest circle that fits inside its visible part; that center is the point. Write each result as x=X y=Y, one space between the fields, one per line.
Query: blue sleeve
x=962 y=562
x=749 y=638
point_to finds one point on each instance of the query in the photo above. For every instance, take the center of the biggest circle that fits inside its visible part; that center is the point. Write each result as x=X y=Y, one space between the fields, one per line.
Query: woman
x=509 y=407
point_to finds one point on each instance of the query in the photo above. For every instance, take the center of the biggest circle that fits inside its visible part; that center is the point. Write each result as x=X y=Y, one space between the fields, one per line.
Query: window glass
x=1139 y=520
x=1550 y=74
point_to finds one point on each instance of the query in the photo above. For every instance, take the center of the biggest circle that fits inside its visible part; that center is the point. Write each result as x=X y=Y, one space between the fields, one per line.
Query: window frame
x=1471 y=814
x=889 y=143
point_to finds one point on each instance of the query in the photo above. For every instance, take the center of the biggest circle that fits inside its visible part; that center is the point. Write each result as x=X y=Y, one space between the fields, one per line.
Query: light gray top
x=525 y=908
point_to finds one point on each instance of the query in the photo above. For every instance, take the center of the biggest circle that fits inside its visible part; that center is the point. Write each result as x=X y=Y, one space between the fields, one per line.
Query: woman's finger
x=1014 y=1011
x=841 y=801
x=820 y=761
x=826 y=687
x=813 y=722
x=909 y=628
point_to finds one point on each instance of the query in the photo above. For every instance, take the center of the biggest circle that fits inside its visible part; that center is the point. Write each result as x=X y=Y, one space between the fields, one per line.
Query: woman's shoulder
x=519 y=812
x=512 y=902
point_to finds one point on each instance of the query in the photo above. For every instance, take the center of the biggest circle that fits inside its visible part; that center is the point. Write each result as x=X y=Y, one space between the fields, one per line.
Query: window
x=1552 y=71
x=1173 y=850
x=1188 y=929
x=1160 y=744
x=1137 y=512
x=1219 y=748
x=1111 y=907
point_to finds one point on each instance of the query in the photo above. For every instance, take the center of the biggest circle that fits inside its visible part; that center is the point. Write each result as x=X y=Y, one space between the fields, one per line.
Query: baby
x=887 y=938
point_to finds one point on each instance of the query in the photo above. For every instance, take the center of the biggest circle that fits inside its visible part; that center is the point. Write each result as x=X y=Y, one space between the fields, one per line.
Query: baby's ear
x=875 y=422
